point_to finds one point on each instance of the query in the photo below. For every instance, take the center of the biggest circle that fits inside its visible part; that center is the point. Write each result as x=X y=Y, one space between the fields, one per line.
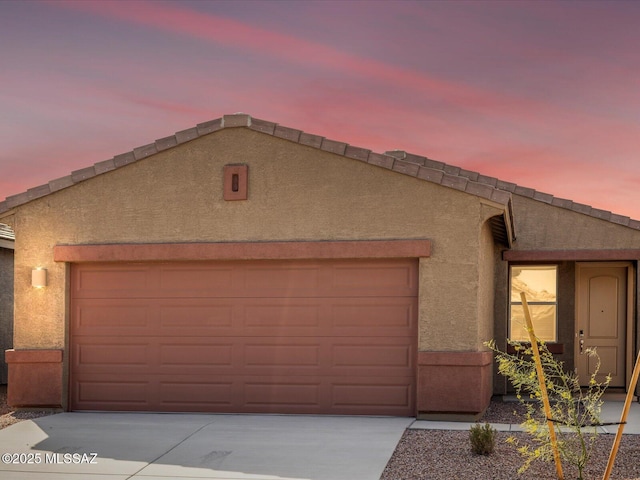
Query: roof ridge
x=412 y=165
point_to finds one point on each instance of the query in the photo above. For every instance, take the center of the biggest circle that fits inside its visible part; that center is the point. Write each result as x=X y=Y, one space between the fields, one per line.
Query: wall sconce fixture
x=39 y=277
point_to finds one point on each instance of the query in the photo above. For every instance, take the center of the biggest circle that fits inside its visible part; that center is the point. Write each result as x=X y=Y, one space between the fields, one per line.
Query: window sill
x=556 y=348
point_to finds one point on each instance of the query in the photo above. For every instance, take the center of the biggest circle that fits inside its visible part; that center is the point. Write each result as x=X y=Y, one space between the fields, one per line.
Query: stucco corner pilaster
x=35 y=378
x=454 y=383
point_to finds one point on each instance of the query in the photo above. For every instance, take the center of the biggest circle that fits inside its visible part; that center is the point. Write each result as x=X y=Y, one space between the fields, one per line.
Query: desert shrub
x=482 y=438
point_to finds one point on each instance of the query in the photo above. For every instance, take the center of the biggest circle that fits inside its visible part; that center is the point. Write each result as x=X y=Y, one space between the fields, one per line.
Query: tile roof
x=399 y=161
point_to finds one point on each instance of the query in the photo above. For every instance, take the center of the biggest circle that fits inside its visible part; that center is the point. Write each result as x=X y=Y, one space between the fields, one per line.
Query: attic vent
x=499 y=230
x=236 y=182
x=6 y=233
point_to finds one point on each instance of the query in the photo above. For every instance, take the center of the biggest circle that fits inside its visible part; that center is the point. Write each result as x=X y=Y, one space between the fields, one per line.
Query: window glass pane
x=537 y=282
x=543 y=318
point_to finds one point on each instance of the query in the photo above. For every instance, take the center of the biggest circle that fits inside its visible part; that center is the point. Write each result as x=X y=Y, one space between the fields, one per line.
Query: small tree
x=575 y=411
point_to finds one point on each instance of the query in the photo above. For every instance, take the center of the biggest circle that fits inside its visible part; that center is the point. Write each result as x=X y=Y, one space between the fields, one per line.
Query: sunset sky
x=542 y=94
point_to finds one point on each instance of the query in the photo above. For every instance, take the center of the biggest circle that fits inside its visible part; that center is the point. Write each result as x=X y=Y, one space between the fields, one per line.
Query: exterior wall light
x=39 y=277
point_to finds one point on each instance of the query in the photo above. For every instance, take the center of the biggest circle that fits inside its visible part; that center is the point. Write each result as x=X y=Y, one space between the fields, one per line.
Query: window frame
x=513 y=303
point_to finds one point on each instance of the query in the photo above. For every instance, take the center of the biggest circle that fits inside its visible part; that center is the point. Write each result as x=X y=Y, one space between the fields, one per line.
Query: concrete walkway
x=185 y=446
x=611 y=411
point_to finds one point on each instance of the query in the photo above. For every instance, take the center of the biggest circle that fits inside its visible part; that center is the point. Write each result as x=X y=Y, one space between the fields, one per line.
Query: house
x=243 y=266
x=6 y=295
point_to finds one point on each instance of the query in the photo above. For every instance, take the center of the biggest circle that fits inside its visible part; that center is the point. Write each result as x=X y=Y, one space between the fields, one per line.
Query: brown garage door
x=267 y=336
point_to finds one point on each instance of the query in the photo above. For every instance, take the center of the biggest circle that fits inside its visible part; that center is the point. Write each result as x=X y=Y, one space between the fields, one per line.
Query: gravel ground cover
x=447 y=455
x=9 y=417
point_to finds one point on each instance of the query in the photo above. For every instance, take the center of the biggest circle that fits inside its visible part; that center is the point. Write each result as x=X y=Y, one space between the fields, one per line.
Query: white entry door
x=601 y=321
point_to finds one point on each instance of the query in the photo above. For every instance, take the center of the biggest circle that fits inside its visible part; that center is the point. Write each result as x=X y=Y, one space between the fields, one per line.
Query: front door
x=601 y=321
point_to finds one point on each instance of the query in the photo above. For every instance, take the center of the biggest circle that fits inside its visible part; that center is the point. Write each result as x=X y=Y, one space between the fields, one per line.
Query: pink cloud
x=171 y=108
x=297 y=50
x=359 y=100
x=549 y=171
x=459 y=102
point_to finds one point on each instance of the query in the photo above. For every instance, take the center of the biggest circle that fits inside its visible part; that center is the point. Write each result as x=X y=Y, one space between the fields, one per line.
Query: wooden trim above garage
x=570 y=255
x=135 y=252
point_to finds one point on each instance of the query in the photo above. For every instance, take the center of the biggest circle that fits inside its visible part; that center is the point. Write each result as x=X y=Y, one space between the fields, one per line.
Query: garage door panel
x=194 y=280
x=195 y=355
x=142 y=317
x=196 y=316
x=145 y=392
x=332 y=316
x=354 y=396
x=387 y=279
x=111 y=354
x=123 y=315
x=342 y=278
x=104 y=392
x=153 y=355
x=380 y=313
x=269 y=279
x=343 y=373
x=269 y=355
x=282 y=317
x=246 y=394
x=282 y=313
x=106 y=281
x=271 y=395
x=371 y=356
x=203 y=394
x=273 y=337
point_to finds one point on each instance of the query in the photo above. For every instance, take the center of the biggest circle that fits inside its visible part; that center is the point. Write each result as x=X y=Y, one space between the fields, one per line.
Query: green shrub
x=482 y=438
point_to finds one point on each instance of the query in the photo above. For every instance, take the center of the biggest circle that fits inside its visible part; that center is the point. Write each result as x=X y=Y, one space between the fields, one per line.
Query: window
x=540 y=285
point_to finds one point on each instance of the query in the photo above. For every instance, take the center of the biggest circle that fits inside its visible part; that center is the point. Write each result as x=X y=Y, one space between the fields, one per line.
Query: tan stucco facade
x=542 y=226
x=6 y=303
x=560 y=236
x=300 y=194
x=295 y=194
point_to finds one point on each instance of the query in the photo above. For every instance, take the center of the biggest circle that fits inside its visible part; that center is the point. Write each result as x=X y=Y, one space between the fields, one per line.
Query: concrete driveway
x=118 y=446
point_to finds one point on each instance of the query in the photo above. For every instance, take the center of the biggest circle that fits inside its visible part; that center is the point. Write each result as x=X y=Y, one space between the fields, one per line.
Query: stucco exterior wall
x=540 y=226
x=6 y=307
x=501 y=312
x=636 y=303
x=543 y=227
x=296 y=193
x=489 y=254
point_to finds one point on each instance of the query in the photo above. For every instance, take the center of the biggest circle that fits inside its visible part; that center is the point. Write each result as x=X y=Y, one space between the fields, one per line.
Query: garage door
x=268 y=336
